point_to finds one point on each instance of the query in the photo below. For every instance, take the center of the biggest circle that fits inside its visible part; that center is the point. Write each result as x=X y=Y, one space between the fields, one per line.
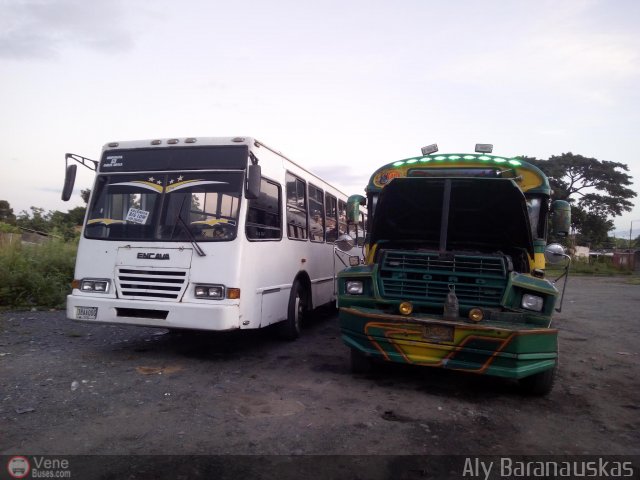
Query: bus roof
x=177 y=141
x=206 y=141
x=529 y=178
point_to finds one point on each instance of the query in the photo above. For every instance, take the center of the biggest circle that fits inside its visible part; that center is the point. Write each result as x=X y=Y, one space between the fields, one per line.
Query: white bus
x=207 y=234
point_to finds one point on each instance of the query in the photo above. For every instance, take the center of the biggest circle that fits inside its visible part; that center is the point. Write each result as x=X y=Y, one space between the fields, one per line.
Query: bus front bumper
x=198 y=316
x=511 y=351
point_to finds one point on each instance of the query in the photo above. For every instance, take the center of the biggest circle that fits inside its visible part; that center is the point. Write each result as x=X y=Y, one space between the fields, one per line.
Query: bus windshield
x=166 y=206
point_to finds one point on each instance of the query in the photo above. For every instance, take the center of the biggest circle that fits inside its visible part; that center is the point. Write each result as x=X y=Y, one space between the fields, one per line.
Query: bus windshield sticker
x=137 y=216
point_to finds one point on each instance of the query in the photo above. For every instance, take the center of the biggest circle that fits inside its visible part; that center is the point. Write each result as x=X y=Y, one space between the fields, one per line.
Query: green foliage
x=598 y=186
x=593 y=266
x=85 y=194
x=594 y=229
x=6 y=213
x=8 y=228
x=597 y=190
x=36 y=275
x=37 y=220
x=56 y=223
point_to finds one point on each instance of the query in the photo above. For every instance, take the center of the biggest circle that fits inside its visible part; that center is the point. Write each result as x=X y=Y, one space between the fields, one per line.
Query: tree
x=597 y=190
x=37 y=220
x=85 y=194
x=6 y=213
x=594 y=228
x=76 y=215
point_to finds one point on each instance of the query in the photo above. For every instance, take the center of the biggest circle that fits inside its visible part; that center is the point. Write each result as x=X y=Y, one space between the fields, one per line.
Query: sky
x=341 y=87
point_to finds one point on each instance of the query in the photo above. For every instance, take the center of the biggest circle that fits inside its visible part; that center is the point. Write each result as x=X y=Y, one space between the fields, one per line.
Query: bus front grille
x=145 y=284
x=427 y=276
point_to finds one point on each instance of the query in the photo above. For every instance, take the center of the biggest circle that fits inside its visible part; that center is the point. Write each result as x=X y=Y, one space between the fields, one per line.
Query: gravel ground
x=72 y=388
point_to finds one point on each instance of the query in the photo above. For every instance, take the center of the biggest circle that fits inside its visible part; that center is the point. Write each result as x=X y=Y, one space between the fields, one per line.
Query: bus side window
x=362 y=229
x=296 y=208
x=331 y=223
x=316 y=214
x=264 y=214
x=342 y=217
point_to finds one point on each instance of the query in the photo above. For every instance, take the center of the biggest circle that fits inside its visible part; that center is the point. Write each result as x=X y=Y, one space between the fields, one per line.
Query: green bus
x=454 y=269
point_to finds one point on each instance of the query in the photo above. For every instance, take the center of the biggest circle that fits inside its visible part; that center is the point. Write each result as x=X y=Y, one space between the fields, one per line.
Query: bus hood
x=485 y=214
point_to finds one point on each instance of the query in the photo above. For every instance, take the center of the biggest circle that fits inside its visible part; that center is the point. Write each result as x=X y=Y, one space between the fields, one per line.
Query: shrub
x=36 y=275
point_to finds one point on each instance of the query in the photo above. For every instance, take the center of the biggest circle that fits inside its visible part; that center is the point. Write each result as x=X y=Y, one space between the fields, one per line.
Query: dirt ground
x=72 y=388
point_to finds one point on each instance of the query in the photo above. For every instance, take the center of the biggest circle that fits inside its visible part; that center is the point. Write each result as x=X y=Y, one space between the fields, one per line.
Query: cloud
x=41 y=29
x=564 y=49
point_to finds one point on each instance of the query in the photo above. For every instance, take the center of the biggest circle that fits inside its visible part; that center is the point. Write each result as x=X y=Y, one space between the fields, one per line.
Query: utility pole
x=631 y=230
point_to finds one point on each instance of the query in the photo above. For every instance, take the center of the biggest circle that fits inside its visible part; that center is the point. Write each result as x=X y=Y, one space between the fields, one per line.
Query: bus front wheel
x=538 y=384
x=290 y=328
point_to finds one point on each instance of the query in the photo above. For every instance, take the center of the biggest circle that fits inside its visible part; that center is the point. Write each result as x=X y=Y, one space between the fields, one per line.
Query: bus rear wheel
x=290 y=328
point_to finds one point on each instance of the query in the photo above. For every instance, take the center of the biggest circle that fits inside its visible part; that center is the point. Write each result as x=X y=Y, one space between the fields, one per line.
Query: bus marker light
x=476 y=315
x=233 y=293
x=406 y=308
x=484 y=147
x=429 y=149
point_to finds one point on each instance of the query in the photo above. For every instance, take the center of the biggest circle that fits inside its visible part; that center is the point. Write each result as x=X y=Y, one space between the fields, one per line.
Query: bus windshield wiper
x=192 y=239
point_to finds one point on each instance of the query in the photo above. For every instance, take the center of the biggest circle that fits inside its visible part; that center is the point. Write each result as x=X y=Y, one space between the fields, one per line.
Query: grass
x=584 y=268
x=36 y=275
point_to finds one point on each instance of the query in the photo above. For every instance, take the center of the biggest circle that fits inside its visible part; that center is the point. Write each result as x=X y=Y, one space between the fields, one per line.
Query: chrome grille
x=147 y=284
x=425 y=276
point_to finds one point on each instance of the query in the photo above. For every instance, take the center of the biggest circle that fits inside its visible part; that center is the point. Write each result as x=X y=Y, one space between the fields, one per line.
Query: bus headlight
x=354 y=287
x=96 y=285
x=532 y=302
x=210 y=292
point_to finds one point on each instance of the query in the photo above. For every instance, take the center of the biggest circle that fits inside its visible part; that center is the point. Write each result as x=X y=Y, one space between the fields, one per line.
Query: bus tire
x=538 y=384
x=289 y=329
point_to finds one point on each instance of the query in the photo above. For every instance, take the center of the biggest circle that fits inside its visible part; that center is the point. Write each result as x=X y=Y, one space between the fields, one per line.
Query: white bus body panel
x=264 y=271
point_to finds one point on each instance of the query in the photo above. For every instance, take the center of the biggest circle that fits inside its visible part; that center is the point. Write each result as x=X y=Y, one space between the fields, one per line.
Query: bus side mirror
x=561 y=219
x=353 y=208
x=69 y=182
x=254 y=177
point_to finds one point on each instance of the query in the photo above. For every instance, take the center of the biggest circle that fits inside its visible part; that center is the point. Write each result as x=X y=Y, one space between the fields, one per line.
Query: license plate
x=438 y=333
x=86 y=313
